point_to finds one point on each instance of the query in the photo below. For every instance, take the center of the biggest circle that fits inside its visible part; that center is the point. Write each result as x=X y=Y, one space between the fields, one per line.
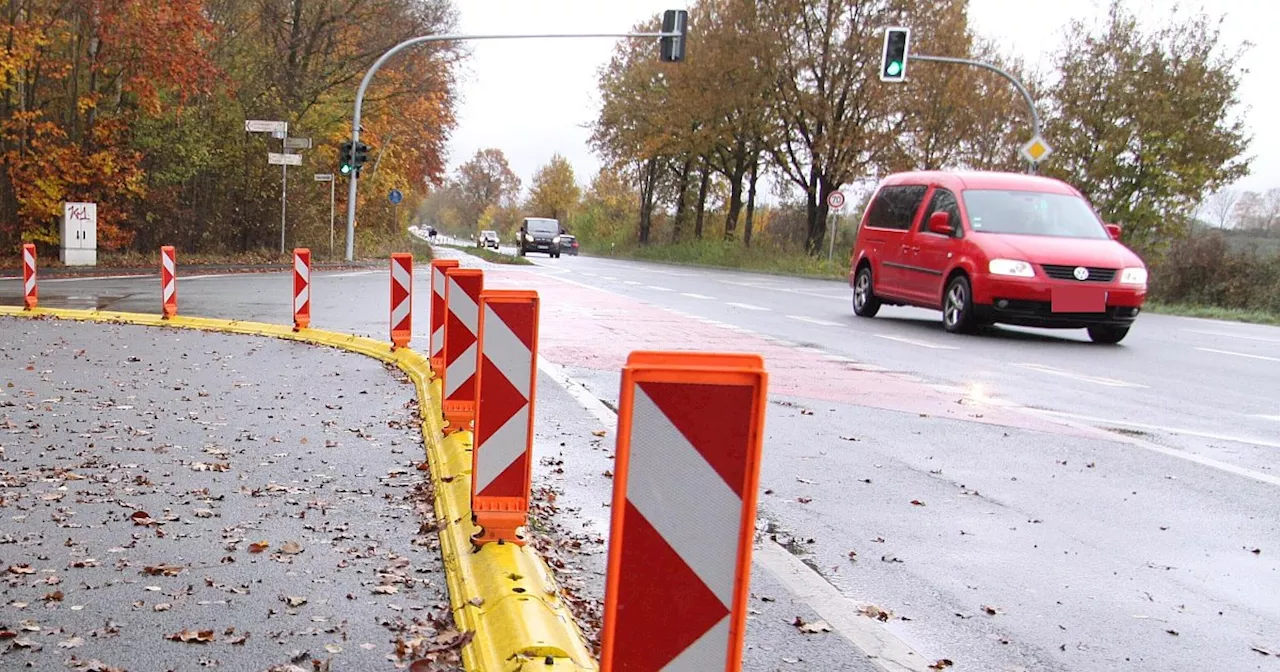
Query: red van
x=995 y=247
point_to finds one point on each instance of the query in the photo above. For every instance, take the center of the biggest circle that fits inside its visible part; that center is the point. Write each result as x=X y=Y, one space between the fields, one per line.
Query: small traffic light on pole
x=894 y=66
x=345 y=164
x=360 y=156
x=672 y=48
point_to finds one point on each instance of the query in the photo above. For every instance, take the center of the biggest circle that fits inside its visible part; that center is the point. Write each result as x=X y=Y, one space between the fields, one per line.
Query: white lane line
x=1170 y=430
x=810 y=320
x=1096 y=380
x=1227 y=335
x=610 y=277
x=746 y=306
x=696 y=296
x=352 y=274
x=1240 y=354
x=912 y=341
x=598 y=409
x=631 y=282
x=657 y=288
x=759 y=285
x=1269 y=417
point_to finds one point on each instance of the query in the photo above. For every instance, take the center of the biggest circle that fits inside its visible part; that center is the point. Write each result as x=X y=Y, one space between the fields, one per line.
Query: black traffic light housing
x=672 y=48
x=345 y=164
x=894 y=66
x=360 y=155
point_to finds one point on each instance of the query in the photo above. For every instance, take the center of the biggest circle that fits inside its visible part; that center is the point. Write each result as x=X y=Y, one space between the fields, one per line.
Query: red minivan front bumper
x=1029 y=302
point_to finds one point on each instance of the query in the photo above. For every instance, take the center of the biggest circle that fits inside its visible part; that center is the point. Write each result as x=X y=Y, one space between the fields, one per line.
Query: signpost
x=835 y=202
x=328 y=177
x=262 y=126
x=284 y=159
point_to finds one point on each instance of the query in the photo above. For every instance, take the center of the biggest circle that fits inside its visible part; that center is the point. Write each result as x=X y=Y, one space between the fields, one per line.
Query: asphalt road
x=1080 y=507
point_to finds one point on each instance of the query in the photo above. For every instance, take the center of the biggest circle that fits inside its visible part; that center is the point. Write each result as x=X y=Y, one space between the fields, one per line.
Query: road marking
x=760 y=285
x=746 y=306
x=696 y=296
x=352 y=274
x=657 y=288
x=598 y=409
x=1240 y=354
x=1223 y=333
x=912 y=341
x=629 y=282
x=1170 y=430
x=1096 y=380
x=610 y=277
x=810 y=320
x=1269 y=417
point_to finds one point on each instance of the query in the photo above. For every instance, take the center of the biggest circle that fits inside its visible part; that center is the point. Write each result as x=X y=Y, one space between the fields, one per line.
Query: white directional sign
x=297 y=143
x=263 y=126
x=284 y=159
x=324 y=177
x=835 y=200
x=1036 y=150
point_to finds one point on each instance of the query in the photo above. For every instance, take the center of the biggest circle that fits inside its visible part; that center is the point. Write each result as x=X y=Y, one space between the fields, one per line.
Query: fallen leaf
x=1265 y=652
x=203 y=513
x=291 y=548
x=235 y=641
x=333 y=648
x=9 y=634
x=71 y=643
x=941 y=664
x=26 y=643
x=916 y=502
x=295 y=601
x=853 y=555
x=142 y=518
x=163 y=570
x=21 y=569
x=55 y=596
x=991 y=611
x=811 y=628
x=386 y=590
x=872 y=611
x=805 y=481
x=1256 y=551
x=163 y=606
x=599 y=432
x=259 y=546
x=1172 y=632
x=476 y=601
x=804 y=500
x=192 y=636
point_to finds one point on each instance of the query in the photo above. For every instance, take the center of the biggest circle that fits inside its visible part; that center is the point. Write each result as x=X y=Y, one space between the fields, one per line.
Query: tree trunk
x=682 y=188
x=749 y=225
x=702 y=200
x=738 y=171
x=816 y=208
x=647 y=184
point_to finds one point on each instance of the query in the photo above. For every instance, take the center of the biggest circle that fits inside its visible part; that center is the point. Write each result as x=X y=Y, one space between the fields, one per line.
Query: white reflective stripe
x=502 y=448
x=29 y=259
x=30 y=285
x=167 y=262
x=683 y=498
x=507 y=352
x=301 y=268
x=168 y=291
x=437 y=341
x=460 y=371
x=437 y=282
x=709 y=652
x=400 y=312
x=400 y=275
x=301 y=299
x=462 y=305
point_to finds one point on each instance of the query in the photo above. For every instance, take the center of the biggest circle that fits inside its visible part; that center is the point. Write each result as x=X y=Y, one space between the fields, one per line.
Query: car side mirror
x=940 y=223
x=1114 y=230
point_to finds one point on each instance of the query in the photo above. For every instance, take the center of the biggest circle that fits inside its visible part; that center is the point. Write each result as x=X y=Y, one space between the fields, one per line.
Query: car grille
x=1096 y=274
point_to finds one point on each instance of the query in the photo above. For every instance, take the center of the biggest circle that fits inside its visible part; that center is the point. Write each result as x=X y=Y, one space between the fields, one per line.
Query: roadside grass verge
x=1214 y=312
x=729 y=254
x=491 y=256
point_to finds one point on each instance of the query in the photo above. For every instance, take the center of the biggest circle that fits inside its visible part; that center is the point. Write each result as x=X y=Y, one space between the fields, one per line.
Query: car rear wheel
x=865 y=303
x=1107 y=334
x=957 y=307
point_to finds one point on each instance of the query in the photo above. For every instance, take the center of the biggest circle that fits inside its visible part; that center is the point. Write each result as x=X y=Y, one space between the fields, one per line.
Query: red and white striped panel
x=438 y=310
x=301 y=288
x=169 y=281
x=462 y=298
x=684 y=498
x=504 y=414
x=30 y=292
x=401 y=299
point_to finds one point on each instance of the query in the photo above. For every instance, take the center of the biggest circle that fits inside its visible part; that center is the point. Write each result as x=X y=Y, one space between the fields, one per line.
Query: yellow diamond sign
x=1037 y=150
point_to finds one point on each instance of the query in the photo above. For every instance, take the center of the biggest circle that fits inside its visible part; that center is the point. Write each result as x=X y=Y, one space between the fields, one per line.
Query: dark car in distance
x=539 y=234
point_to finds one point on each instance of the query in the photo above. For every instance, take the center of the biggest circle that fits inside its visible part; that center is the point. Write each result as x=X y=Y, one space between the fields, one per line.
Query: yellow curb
x=504 y=593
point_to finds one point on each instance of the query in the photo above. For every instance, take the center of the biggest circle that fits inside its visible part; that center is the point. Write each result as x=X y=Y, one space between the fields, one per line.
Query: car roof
x=960 y=180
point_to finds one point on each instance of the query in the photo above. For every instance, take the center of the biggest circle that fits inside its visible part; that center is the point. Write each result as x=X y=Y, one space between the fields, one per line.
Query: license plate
x=1079 y=300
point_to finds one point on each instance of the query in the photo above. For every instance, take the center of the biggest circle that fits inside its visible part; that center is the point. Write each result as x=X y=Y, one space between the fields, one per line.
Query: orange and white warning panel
x=438 y=312
x=401 y=300
x=30 y=292
x=690 y=432
x=502 y=460
x=301 y=288
x=461 y=327
x=168 y=281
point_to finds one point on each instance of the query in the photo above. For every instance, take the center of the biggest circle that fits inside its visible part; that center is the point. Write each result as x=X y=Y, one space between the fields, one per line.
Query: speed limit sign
x=835 y=200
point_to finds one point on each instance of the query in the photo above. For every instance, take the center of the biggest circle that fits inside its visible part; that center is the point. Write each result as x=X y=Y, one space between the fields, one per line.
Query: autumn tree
x=486 y=180
x=1144 y=121
x=554 y=192
x=608 y=210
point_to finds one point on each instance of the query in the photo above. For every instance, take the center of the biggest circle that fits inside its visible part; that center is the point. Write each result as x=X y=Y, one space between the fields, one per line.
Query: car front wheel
x=1107 y=334
x=865 y=303
x=957 y=307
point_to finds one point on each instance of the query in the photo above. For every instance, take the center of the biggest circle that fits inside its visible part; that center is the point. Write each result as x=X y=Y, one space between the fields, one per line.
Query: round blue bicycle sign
x=395 y=197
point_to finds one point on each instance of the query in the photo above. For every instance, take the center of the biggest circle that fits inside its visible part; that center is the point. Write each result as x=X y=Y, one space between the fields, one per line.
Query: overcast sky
x=533 y=98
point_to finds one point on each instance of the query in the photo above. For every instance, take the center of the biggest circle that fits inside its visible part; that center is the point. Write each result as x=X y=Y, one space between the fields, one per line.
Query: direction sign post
x=835 y=203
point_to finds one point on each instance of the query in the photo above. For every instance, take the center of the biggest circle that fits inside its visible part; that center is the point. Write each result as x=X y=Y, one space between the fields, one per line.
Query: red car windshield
x=1031 y=213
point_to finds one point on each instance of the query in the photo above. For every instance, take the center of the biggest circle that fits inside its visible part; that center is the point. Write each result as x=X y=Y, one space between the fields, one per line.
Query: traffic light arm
x=368 y=76
x=1035 y=116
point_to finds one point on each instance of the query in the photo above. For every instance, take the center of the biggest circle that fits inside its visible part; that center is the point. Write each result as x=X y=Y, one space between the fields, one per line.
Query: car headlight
x=1013 y=267
x=556 y=240
x=528 y=237
x=1133 y=276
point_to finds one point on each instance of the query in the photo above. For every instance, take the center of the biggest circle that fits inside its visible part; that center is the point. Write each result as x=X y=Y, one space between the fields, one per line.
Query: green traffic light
x=346 y=170
x=894 y=69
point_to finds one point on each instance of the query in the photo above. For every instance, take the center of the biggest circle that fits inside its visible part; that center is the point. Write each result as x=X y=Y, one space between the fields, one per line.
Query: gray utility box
x=79 y=234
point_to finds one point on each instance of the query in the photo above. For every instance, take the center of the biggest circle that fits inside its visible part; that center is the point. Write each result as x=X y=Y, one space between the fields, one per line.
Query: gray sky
x=533 y=98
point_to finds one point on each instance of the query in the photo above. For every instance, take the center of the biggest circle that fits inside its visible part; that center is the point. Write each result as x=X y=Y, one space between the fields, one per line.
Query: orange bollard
x=502 y=460
x=30 y=293
x=438 y=312
x=462 y=300
x=301 y=289
x=401 y=300
x=690 y=433
x=169 y=281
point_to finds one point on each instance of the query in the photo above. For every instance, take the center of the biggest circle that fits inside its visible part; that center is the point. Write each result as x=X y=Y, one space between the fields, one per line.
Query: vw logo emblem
x=1081 y=273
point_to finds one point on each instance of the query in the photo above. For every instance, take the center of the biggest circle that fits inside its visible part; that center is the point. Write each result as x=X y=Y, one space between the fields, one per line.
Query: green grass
x=722 y=254
x=491 y=256
x=1213 y=312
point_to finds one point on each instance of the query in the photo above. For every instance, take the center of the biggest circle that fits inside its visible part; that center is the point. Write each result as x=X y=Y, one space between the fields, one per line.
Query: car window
x=895 y=207
x=543 y=226
x=1031 y=213
x=943 y=201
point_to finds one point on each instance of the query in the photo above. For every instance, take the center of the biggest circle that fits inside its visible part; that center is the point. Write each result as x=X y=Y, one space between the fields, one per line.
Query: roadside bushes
x=1202 y=270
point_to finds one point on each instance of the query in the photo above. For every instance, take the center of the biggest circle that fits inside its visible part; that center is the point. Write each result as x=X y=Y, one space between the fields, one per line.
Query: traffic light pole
x=1035 y=116
x=368 y=76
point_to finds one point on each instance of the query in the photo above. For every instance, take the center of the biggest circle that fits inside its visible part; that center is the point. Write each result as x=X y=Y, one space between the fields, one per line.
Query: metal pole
x=1031 y=105
x=332 y=180
x=368 y=75
x=835 y=219
x=284 y=182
